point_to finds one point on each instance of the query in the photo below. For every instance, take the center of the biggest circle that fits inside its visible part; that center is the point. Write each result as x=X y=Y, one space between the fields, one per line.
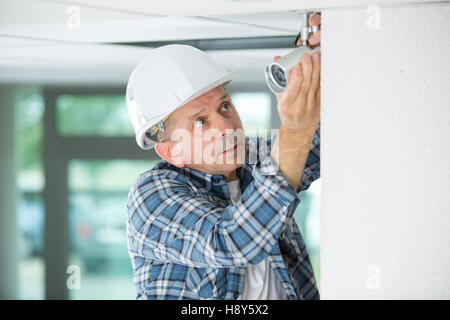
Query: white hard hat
x=165 y=80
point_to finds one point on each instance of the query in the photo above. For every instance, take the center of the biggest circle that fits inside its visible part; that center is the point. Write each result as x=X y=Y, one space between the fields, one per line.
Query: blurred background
x=68 y=150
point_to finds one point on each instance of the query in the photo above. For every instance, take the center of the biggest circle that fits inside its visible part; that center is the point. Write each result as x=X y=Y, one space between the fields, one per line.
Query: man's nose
x=223 y=124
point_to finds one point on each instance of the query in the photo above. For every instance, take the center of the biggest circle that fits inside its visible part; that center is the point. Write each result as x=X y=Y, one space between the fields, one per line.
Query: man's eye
x=198 y=123
x=226 y=105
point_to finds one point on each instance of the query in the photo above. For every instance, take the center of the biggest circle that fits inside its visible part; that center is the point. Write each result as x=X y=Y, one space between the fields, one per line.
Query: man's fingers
x=315 y=20
x=293 y=84
x=306 y=64
x=295 y=79
x=315 y=76
x=314 y=39
x=318 y=97
x=315 y=81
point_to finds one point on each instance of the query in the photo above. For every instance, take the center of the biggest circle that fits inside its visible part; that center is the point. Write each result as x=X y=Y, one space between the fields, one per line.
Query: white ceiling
x=39 y=45
x=224 y=7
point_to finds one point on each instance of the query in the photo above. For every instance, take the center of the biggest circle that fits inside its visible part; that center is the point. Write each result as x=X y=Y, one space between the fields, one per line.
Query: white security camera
x=278 y=71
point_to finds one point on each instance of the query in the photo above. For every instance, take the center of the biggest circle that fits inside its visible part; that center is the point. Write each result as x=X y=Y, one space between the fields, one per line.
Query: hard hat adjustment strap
x=158 y=126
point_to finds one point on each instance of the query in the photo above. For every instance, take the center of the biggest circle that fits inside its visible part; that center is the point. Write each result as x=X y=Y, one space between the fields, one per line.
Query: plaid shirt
x=187 y=240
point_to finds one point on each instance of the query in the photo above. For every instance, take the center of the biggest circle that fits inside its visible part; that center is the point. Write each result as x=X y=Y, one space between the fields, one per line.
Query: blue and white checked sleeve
x=311 y=172
x=169 y=221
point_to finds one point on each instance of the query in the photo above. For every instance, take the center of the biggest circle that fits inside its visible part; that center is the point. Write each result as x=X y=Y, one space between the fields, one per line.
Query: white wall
x=385 y=229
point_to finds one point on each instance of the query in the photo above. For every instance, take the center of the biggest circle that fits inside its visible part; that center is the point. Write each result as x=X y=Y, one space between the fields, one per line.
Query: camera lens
x=278 y=75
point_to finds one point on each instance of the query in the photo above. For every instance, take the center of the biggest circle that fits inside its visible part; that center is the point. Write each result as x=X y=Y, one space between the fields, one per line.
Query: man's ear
x=170 y=152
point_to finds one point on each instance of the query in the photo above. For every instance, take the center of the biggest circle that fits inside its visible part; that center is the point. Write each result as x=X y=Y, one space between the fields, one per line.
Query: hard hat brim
x=146 y=143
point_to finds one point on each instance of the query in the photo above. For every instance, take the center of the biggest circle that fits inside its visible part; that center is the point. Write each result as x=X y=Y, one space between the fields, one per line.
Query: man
x=206 y=222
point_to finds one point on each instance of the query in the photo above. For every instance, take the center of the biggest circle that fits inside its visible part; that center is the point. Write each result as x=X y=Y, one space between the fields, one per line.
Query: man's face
x=209 y=135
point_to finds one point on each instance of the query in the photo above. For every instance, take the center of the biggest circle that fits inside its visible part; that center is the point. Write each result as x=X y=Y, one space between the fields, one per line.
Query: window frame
x=59 y=149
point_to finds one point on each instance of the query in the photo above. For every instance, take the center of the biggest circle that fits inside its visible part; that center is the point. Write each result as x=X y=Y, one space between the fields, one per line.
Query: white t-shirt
x=260 y=280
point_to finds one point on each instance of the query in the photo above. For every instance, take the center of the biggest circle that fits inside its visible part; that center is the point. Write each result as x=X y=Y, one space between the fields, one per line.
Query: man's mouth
x=234 y=149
